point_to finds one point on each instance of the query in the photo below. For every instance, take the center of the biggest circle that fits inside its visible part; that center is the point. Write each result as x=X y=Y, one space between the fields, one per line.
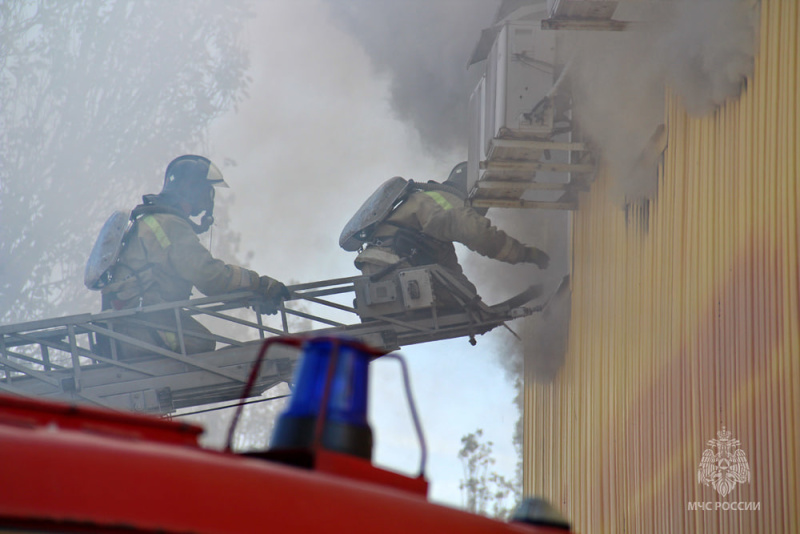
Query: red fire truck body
x=67 y=468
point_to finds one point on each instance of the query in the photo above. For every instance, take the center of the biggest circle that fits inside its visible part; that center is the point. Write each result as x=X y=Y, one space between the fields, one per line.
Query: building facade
x=677 y=408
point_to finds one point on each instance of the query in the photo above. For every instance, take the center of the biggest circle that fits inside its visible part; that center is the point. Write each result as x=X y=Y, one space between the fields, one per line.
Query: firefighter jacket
x=163 y=259
x=438 y=218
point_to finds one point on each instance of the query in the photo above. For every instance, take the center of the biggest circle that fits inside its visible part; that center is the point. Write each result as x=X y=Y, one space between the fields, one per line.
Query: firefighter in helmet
x=421 y=229
x=162 y=259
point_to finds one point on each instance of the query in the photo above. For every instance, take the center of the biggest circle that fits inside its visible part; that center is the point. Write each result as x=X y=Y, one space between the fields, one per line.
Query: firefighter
x=422 y=228
x=162 y=260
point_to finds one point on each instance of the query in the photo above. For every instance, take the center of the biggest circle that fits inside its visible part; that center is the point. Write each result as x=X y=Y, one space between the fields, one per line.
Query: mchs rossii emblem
x=724 y=464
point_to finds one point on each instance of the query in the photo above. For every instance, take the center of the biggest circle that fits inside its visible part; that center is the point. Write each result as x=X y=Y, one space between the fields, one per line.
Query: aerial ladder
x=524 y=152
x=61 y=357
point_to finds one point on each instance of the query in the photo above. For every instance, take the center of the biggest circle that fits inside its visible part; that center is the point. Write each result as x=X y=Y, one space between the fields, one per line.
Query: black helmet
x=458 y=177
x=194 y=170
x=191 y=179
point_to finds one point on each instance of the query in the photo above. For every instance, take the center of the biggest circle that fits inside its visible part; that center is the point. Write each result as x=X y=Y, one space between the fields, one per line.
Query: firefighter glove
x=273 y=294
x=537 y=256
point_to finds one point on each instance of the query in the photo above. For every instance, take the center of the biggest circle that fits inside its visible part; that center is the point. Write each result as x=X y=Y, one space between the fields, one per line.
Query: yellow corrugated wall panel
x=686 y=325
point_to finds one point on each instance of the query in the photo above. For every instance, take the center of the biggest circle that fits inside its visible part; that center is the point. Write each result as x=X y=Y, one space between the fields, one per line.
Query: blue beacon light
x=336 y=369
x=328 y=409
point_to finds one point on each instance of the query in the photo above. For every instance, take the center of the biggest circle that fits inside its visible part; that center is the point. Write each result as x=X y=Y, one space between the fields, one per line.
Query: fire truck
x=75 y=468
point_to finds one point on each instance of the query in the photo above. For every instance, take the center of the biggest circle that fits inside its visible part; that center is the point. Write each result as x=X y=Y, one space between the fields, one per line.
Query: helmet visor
x=214 y=176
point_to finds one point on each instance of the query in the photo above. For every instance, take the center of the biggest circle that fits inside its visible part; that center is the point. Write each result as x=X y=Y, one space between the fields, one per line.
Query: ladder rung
x=524 y=204
x=522 y=185
x=510 y=165
x=537 y=145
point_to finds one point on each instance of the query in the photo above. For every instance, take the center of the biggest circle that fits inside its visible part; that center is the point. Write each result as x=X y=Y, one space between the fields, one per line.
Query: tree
x=98 y=95
x=485 y=492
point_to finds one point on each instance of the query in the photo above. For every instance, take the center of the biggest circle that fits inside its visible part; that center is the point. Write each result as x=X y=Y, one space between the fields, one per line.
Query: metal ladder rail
x=169 y=378
x=26 y=348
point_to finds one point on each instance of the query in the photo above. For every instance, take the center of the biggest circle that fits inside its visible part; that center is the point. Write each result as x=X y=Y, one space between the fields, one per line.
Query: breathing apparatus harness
x=409 y=244
x=151 y=205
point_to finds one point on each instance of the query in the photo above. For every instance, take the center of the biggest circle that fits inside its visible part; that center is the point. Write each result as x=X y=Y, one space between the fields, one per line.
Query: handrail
x=61 y=357
x=70 y=339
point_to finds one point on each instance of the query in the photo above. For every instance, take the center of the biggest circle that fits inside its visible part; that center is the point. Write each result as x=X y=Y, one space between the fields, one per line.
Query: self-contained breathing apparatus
x=411 y=245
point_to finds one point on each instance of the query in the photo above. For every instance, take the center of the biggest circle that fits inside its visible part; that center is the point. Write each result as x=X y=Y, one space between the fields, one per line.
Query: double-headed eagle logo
x=725 y=468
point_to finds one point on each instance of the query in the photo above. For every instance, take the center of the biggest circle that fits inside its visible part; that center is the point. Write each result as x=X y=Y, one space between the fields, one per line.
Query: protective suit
x=422 y=228
x=162 y=260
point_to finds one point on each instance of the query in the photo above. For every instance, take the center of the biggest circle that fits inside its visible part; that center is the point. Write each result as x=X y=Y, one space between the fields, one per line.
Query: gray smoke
x=700 y=50
x=425 y=47
x=707 y=49
x=426 y=58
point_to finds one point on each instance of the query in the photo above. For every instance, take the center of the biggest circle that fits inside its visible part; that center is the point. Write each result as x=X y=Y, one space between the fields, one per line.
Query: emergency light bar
x=329 y=402
x=328 y=409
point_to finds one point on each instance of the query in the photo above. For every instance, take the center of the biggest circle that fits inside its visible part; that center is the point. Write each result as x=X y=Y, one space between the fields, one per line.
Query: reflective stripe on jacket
x=164 y=259
x=444 y=216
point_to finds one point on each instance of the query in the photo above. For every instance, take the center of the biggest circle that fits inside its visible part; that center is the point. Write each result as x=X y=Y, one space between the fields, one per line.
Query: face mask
x=202 y=200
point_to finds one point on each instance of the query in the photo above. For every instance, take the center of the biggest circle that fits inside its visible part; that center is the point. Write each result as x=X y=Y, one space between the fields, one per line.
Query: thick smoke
x=700 y=50
x=707 y=48
x=425 y=46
